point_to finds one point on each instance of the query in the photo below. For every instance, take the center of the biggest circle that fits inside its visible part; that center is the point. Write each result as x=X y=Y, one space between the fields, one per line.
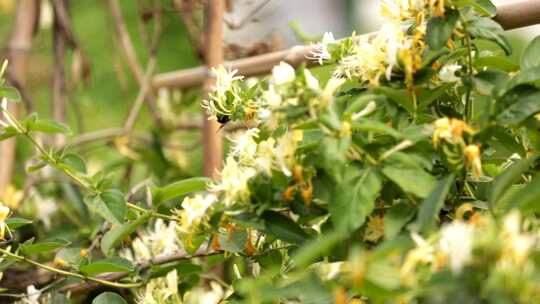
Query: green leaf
x=408 y=175
x=110 y=204
x=113 y=264
x=74 y=162
x=439 y=29
x=359 y=103
x=315 y=249
x=109 y=298
x=181 y=188
x=353 y=199
x=485 y=7
x=395 y=219
x=8 y=132
x=529 y=76
x=283 y=228
x=531 y=55
x=17 y=222
x=433 y=203
x=49 y=126
x=427 y=96
x=521 y=110
x=507 y=178
x=117 y=234
x=71 y=255
x=59 y=298
x=485 y=28
x=43 y=246
x=11 y=93
x=496 y=62
x=368 y=125
x=525 y=199
x=33 y=167
x=399 y=96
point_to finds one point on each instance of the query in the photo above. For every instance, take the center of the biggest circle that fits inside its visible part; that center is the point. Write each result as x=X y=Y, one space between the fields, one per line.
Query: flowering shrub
x=406 y=173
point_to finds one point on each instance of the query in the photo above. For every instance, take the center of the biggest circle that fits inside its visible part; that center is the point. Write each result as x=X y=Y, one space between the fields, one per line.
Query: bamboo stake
x=511 y=14
x=212 y=141
x=19 y=46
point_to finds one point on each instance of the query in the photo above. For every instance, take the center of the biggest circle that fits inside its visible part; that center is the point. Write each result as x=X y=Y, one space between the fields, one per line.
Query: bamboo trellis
x=511 y=14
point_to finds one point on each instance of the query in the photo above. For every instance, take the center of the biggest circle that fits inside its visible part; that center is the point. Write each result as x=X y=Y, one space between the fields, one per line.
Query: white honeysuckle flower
x=311 y=81
x=140 y=250
x=448 y=73
x=234 y=181
x=272 y=98
x=456 y=242
x=245 y=146
x=194 y=209
x=204 y=296
x=4 y=213
x=172 y=283
x=394 y=41
x=285 y=149
x=320 y=51
x=32 y=295
x=331 y=87
x=217 y=103
x=45 y=208
x=368 y=109
x=283 y=73
x=265 y=155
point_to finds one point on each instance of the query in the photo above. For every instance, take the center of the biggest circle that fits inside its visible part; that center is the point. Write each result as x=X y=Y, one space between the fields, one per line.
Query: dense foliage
x=406 y=173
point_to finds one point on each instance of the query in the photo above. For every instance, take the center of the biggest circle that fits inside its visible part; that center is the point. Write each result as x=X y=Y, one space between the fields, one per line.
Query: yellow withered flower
x=472 y=154
x=450 y=130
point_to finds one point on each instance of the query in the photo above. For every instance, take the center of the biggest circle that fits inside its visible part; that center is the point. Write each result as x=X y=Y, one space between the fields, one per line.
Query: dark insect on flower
x=223 y=119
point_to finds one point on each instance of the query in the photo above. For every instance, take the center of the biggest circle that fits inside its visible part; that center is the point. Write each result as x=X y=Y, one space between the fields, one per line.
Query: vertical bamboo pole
x=59 y=76
x=212 y=141
x=19 y=45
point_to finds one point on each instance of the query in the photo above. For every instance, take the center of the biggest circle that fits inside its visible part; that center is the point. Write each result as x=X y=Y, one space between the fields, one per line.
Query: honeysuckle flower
x=516 y=244
x=330 y=89
x=203 y=296
x=161 y=239
x=423 y=253
x=194 y=209
x=448 y=73
x=395 y=10
x=32 y=295
x=368 y=109
x=224 y=95
x=456 y=242
x=283 y=73
x=234 y=181
x=12 y=196
x=311 y=81
x=472 y=154
x=320 y=51
x=272 y=98
x=450 y=130
x=285 y=150
x=6 y=120
x=4 y=213
x=244 y=145
x=160 y=290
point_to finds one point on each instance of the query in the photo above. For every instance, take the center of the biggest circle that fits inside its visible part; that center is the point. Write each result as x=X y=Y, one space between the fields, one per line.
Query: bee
x=223 y=120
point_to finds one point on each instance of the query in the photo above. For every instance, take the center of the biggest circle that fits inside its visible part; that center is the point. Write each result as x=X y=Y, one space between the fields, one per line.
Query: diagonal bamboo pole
x=510 y=14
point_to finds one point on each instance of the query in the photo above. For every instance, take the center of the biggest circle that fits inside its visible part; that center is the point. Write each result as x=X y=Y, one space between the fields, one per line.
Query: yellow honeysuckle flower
x=4 y=213
x=12 y=197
